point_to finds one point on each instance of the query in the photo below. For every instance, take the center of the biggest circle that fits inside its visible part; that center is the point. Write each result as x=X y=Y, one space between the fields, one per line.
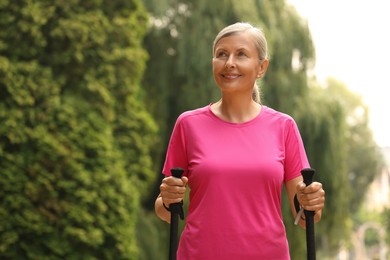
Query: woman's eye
x=221 y=54
x=241 y=53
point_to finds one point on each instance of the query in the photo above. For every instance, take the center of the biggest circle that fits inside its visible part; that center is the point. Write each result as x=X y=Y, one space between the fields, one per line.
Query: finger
x=300 y=187
x=172 y=191
x=313 y=188
x=319 y=194
x=315 y=194
x=311 y=198
x=317 y=216
x=315 y=207
x=316 y=203
x=173 y=181
x=171 y=197
x=168 y=202
x=184 y=180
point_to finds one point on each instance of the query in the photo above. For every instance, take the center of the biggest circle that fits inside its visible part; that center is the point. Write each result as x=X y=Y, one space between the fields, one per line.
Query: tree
x=292 y=56
x=386 y=222
x=74 y=139
x=323 y=128
x=340 y=145
x=364 y=157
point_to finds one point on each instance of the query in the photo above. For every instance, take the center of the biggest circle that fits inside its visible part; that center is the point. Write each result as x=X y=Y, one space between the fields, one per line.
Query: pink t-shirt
x=236 y=174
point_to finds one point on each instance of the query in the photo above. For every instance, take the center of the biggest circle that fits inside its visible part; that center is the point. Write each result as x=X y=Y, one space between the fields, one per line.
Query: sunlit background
x=353 y=45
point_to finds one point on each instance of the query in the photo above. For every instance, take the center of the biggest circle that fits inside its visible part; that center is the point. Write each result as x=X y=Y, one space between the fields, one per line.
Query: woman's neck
x=236 y=111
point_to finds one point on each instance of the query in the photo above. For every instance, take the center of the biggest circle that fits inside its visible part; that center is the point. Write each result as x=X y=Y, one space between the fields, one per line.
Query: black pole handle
x=176 y=210
x=308 y=175
x=177 y=172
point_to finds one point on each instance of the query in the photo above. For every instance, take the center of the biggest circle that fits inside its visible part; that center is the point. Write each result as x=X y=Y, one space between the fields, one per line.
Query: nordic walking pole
x=307 y=175
x=176 y=210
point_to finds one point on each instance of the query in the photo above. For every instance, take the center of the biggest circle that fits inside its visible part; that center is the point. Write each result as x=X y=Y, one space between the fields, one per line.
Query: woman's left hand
x=311 y=198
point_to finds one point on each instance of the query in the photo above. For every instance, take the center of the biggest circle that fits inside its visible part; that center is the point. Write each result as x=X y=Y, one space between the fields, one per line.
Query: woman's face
x=236 y=64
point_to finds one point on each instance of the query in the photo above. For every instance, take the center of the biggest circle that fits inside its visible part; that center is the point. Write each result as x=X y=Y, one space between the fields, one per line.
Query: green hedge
x=74 y=137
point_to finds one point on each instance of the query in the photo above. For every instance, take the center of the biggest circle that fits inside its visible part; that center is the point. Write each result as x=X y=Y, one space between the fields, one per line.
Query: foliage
x=364 y=158
x=291 y=56
x=338 y=140
x=74 y=139
x=386 y=222
x=151 y=236
x=322 y=126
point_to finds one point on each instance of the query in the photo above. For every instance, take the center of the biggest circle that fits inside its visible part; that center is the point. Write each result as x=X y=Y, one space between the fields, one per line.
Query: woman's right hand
x=172 y=189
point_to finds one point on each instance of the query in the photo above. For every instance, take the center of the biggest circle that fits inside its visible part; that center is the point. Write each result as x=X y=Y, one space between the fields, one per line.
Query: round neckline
x=232 y=123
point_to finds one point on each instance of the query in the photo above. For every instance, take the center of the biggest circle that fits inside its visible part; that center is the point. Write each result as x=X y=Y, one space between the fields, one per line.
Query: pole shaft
x=310 y=237
x=176 y=209
x=173 y=240
x=307 y=175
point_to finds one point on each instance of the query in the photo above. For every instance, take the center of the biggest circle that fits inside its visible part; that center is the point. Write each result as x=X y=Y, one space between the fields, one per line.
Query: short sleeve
x=295 y=154
x=176 y=155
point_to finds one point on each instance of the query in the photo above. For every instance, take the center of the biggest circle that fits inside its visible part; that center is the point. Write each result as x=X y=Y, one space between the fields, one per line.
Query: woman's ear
x=262 y=68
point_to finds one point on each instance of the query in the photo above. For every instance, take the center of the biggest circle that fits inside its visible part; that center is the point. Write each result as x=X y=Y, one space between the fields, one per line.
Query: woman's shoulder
x=279 y=120
x=276 y=115
x=194 y=113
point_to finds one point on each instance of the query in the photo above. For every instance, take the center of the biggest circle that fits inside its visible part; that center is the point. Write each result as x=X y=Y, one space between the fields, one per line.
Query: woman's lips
x=230 y=76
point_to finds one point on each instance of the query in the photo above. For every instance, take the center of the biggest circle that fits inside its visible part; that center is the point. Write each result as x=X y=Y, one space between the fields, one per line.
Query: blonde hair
x=259 y=40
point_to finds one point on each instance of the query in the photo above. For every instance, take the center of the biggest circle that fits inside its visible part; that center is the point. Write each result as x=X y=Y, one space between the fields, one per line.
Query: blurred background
x=90 y=90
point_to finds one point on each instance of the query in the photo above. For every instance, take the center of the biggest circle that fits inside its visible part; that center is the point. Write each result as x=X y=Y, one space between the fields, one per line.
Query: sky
x=352 y=42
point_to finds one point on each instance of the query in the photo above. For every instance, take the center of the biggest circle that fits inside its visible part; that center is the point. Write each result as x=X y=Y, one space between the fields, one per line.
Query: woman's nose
x=230 y=62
